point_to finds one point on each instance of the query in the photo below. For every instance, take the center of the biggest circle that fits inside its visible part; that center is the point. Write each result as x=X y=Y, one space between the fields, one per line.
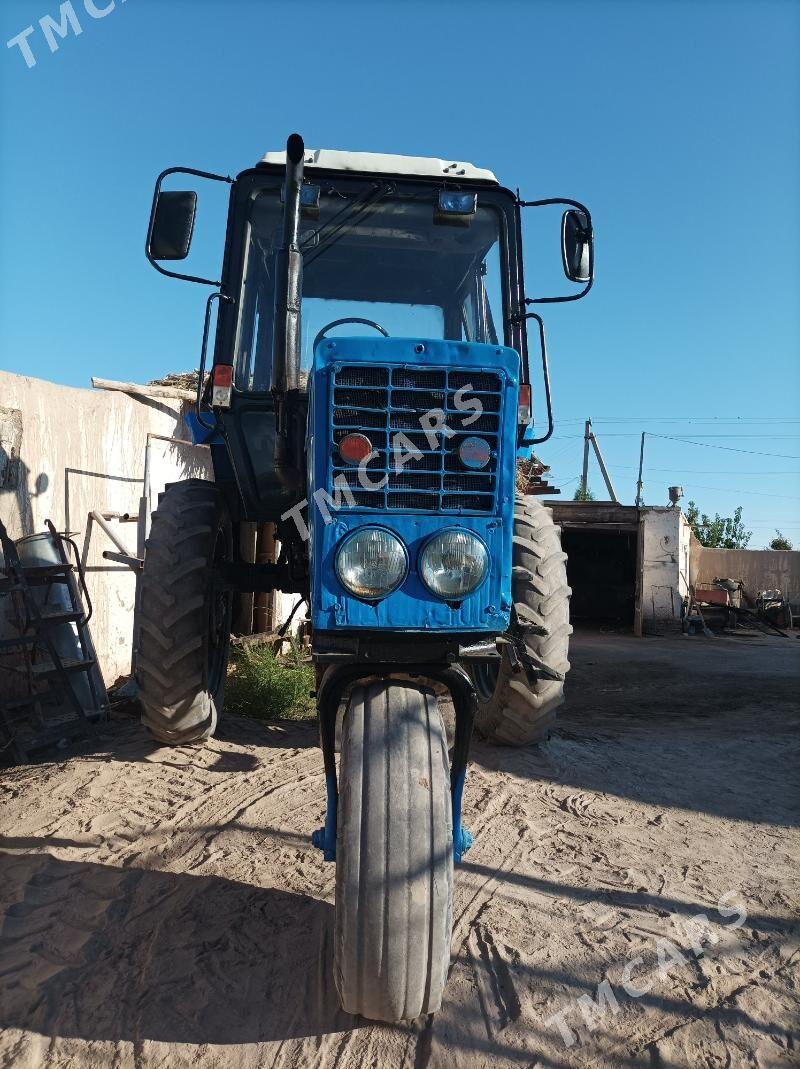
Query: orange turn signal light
x=355 y=448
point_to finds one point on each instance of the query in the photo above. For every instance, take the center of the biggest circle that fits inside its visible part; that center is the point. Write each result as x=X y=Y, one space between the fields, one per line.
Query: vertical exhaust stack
x=289 y=276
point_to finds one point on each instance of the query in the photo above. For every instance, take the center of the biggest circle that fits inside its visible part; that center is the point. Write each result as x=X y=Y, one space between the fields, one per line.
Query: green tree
x=583 y=495
x=723 y=532
x=780 y=541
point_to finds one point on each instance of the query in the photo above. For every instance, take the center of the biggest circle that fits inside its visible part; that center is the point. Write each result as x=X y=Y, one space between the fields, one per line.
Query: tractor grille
x=384 y=403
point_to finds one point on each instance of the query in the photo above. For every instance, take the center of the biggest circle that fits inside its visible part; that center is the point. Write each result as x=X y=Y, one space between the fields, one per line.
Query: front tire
x=394 y=854
x=184 y=614
x=510 y=710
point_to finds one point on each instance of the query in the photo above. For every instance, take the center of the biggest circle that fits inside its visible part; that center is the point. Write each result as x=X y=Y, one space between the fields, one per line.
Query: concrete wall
x=759 y=569
x=664 y=570
x=84 y=450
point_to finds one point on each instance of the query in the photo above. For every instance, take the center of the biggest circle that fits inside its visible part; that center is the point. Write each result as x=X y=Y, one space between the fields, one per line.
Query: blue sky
x=676 y=122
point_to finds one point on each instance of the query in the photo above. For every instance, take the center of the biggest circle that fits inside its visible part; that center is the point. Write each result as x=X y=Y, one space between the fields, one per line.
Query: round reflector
x=475 y=453
x=354 y=448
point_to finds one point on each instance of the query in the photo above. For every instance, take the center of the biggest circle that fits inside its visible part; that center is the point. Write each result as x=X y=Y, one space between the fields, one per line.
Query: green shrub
x=267 y=687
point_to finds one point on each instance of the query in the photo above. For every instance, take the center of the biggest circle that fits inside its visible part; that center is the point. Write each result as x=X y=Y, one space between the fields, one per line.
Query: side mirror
x=173 y=225
x=576 y=246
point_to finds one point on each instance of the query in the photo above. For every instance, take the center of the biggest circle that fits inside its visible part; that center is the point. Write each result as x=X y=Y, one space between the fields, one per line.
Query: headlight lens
x=371 y=563
x=454 y=564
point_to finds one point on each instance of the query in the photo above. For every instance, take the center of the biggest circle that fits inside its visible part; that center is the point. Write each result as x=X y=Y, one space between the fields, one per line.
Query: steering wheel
x=349 y=319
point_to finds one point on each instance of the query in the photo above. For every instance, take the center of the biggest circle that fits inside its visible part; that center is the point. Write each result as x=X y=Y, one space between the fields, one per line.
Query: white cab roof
x=383 y=163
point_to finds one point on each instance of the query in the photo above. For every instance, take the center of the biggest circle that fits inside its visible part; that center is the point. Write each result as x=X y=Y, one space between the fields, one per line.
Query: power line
x=702 y=471
x=728 y=448
x=560 y=453
x=721 y=489
x=738 y=420
x=727 y=418
x=683 y=471
x=676 y=438
x=711 y=471
x=687 y=441
x=733 y=490
x=655 y=434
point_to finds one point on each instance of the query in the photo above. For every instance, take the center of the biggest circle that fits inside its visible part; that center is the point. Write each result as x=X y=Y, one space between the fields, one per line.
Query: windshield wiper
x=342 y=222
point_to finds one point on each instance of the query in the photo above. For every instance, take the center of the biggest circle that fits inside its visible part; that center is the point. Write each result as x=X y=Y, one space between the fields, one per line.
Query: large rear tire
x=184 y=614
x=510 y=710
x=394 y=854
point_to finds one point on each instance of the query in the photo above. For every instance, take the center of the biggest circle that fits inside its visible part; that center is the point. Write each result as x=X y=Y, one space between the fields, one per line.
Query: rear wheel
x=184 y=614
x=394 y=854
x=510 y=710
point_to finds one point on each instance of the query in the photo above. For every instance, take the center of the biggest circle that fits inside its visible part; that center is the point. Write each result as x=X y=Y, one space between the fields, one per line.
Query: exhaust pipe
x=289 y=276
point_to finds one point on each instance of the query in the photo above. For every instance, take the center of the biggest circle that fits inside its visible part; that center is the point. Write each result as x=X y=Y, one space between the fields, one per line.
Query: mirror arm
x=151 y=224
x=553 y=200
x=582 y=208
x=521 y=317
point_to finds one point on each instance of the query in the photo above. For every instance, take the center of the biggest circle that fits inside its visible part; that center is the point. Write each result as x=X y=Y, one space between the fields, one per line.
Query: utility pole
x=603 y=469
x=639 y=484
x=589 y=439
x=587 y=433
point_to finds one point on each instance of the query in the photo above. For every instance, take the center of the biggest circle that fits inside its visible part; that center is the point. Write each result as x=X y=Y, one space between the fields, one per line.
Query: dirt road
x=164 y=908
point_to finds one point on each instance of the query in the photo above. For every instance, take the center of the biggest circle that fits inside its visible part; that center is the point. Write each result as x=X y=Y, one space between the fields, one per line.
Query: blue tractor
x=370 y=394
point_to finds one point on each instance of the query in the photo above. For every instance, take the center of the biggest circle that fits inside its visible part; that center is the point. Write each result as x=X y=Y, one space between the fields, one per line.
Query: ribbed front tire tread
x=394 y=859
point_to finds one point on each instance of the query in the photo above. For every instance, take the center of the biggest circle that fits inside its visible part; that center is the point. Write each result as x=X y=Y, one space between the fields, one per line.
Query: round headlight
x=371 y=563
x=454 y=564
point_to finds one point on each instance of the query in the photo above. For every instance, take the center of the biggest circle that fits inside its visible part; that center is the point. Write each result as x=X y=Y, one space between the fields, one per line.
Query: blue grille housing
x=385 y=387
x=384 y=402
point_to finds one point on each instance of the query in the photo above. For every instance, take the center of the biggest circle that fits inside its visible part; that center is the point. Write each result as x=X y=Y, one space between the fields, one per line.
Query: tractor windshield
x=377 y=252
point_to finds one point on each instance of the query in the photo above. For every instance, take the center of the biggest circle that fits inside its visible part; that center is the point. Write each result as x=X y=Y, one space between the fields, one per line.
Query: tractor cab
x=420 y=258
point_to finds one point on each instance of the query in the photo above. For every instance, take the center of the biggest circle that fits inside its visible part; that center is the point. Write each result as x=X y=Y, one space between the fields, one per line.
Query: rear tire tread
x=516 y=713
x=173 y=634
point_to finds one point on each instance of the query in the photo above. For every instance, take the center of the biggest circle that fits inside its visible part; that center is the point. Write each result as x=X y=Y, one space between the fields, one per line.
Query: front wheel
x=394 y=854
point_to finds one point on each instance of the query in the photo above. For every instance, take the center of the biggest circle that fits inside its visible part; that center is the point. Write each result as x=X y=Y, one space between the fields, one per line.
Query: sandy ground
x=163 y=908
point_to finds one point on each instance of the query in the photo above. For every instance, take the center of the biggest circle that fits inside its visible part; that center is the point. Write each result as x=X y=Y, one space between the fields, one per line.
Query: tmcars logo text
x=55 y=27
